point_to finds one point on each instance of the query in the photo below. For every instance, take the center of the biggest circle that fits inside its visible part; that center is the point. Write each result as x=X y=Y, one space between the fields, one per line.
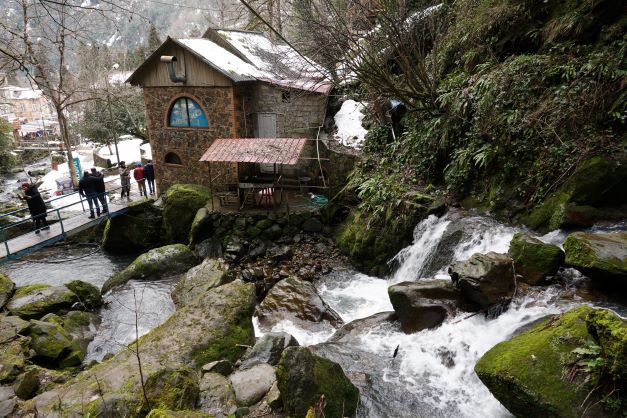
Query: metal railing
x=82 y=199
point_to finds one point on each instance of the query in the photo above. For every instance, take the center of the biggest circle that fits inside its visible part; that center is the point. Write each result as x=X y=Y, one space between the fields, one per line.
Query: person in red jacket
x=138 y=174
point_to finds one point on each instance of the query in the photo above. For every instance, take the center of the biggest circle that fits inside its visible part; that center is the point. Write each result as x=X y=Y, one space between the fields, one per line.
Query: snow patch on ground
x=350 y=132
x=128 y=149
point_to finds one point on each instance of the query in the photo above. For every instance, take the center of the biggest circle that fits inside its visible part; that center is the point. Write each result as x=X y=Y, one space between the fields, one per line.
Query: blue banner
x=77 y=167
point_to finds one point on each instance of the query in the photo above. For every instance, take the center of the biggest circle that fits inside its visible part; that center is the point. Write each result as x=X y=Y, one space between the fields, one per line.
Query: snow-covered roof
x=249 y=56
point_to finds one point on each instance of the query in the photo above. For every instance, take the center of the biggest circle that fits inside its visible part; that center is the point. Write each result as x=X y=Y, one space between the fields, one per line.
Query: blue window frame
x=186 y=113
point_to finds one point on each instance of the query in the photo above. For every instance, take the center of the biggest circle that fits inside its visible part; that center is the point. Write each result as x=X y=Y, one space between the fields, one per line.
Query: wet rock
x=180 y=205
x=7 y=287
x=600 y=256
x=201 y=227
x=173 y=388
x=165 y=413
x=527 y=373
x=268 y=349
x=159 y=262
x=88 y=294
x=13 y=355
x=534 y=259
x=297 y=298
x=49 y=340
x=209 y=248
x=304 y=377
x=41 y=301
x=26 y=384
x=223 y=367
x=216 y=395
x=274 y=397
x=484 y=279
x=141 y=230
x=312 y=225
x=421 y=305
x=252 y=384
x=214 y=326
x=199 y=279
x=354 y=330
x=81 y=326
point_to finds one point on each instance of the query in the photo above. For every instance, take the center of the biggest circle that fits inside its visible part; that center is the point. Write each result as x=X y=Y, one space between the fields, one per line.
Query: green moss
x=88 y=294
x=264 y=224
x=231 y=346
x=533 y=258
x=171 y=388
x=13 y=358
x=611 y=331
x=181 y=202
x=163 y=413
x=253 y=232
x=28 y=289
x=600 y=255
x=6 y=289
x=526 y=373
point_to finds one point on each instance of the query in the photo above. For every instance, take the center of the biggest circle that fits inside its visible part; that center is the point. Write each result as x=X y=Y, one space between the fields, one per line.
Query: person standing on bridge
x=125 y=179
x=138 y=174
x=149 y=173
x=36 y=206
x=100 y=189
x=87 y=187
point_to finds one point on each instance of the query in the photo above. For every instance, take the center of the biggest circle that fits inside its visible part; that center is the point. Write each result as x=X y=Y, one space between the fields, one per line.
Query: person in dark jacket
x=87 y=187
x=149 y=174
x=36 y=206
x=100 y=189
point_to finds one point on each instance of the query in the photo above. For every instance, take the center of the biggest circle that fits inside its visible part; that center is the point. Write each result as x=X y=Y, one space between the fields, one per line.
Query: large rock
x=304 y=377
x=41 y=301
x=216 y=395
x=10 y=327
x=7 y=287
x=535 y=373
x=199 y=279
x=534 y=259
x=180 y=205
x=214 y=326
x=252 y=384
x=159 y=262
x=88 y=294
x=174 y=388
x=81 y=327
x=602 y=256
x=268 y=349
x=49 y=340
x=352 y=333
x=597 y=182
x=295 y=298
x=13 y=355
x=484 y=279
x=165 y=413
x=201 y=228
x=140 y=229
x=423 y=304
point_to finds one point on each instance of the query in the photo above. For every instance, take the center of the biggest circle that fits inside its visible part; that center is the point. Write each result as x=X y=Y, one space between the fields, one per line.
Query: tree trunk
x=65 y=137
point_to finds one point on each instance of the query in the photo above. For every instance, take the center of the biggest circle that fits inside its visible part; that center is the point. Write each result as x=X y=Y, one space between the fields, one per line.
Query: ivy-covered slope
x=527 y=92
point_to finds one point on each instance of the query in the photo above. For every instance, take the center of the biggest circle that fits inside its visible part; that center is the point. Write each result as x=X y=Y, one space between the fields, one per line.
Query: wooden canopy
x=255 y=150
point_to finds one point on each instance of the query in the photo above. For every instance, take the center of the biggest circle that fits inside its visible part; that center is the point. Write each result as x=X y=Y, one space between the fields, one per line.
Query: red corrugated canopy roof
x=255 y=150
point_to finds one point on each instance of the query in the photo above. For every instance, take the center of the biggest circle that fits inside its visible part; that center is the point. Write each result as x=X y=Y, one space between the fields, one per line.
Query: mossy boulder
x=88 y=294
x=28 y=289
x=207 y=275
x=7 y=287
x=598 y=182
x=49 y=340
x=532 y=373
x=201 y=228
x=174 y=388
x=534 y=259
x=304 y=377
x=165 y=413
x=11 y=326
x=216 y=325
x=180 y=205
x=268 y=349
x=156 y=263
x=611 y=332
x=139 y=229
x=601 y=256
x=13 y=355
x=81 y=327
x=371 y=246
x=41 y=301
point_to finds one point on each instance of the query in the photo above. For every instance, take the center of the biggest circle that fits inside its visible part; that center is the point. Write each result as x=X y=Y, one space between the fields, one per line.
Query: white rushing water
x=433 y=366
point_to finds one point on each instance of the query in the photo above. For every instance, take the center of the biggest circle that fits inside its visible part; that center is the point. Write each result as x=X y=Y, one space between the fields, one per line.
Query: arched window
x=186 y=113
x=172 y=158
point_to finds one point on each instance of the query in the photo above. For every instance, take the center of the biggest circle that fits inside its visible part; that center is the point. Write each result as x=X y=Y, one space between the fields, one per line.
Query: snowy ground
x=128 y=149
x=350 y=132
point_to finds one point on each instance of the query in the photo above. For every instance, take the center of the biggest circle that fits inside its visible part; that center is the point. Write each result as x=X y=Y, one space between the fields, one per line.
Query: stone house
x=230 y=84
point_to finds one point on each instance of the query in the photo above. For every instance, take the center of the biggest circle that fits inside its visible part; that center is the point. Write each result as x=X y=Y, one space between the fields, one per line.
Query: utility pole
x=115 y=135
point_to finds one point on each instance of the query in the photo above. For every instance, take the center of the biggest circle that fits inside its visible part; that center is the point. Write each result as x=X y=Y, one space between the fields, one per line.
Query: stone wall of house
x=189 y=144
